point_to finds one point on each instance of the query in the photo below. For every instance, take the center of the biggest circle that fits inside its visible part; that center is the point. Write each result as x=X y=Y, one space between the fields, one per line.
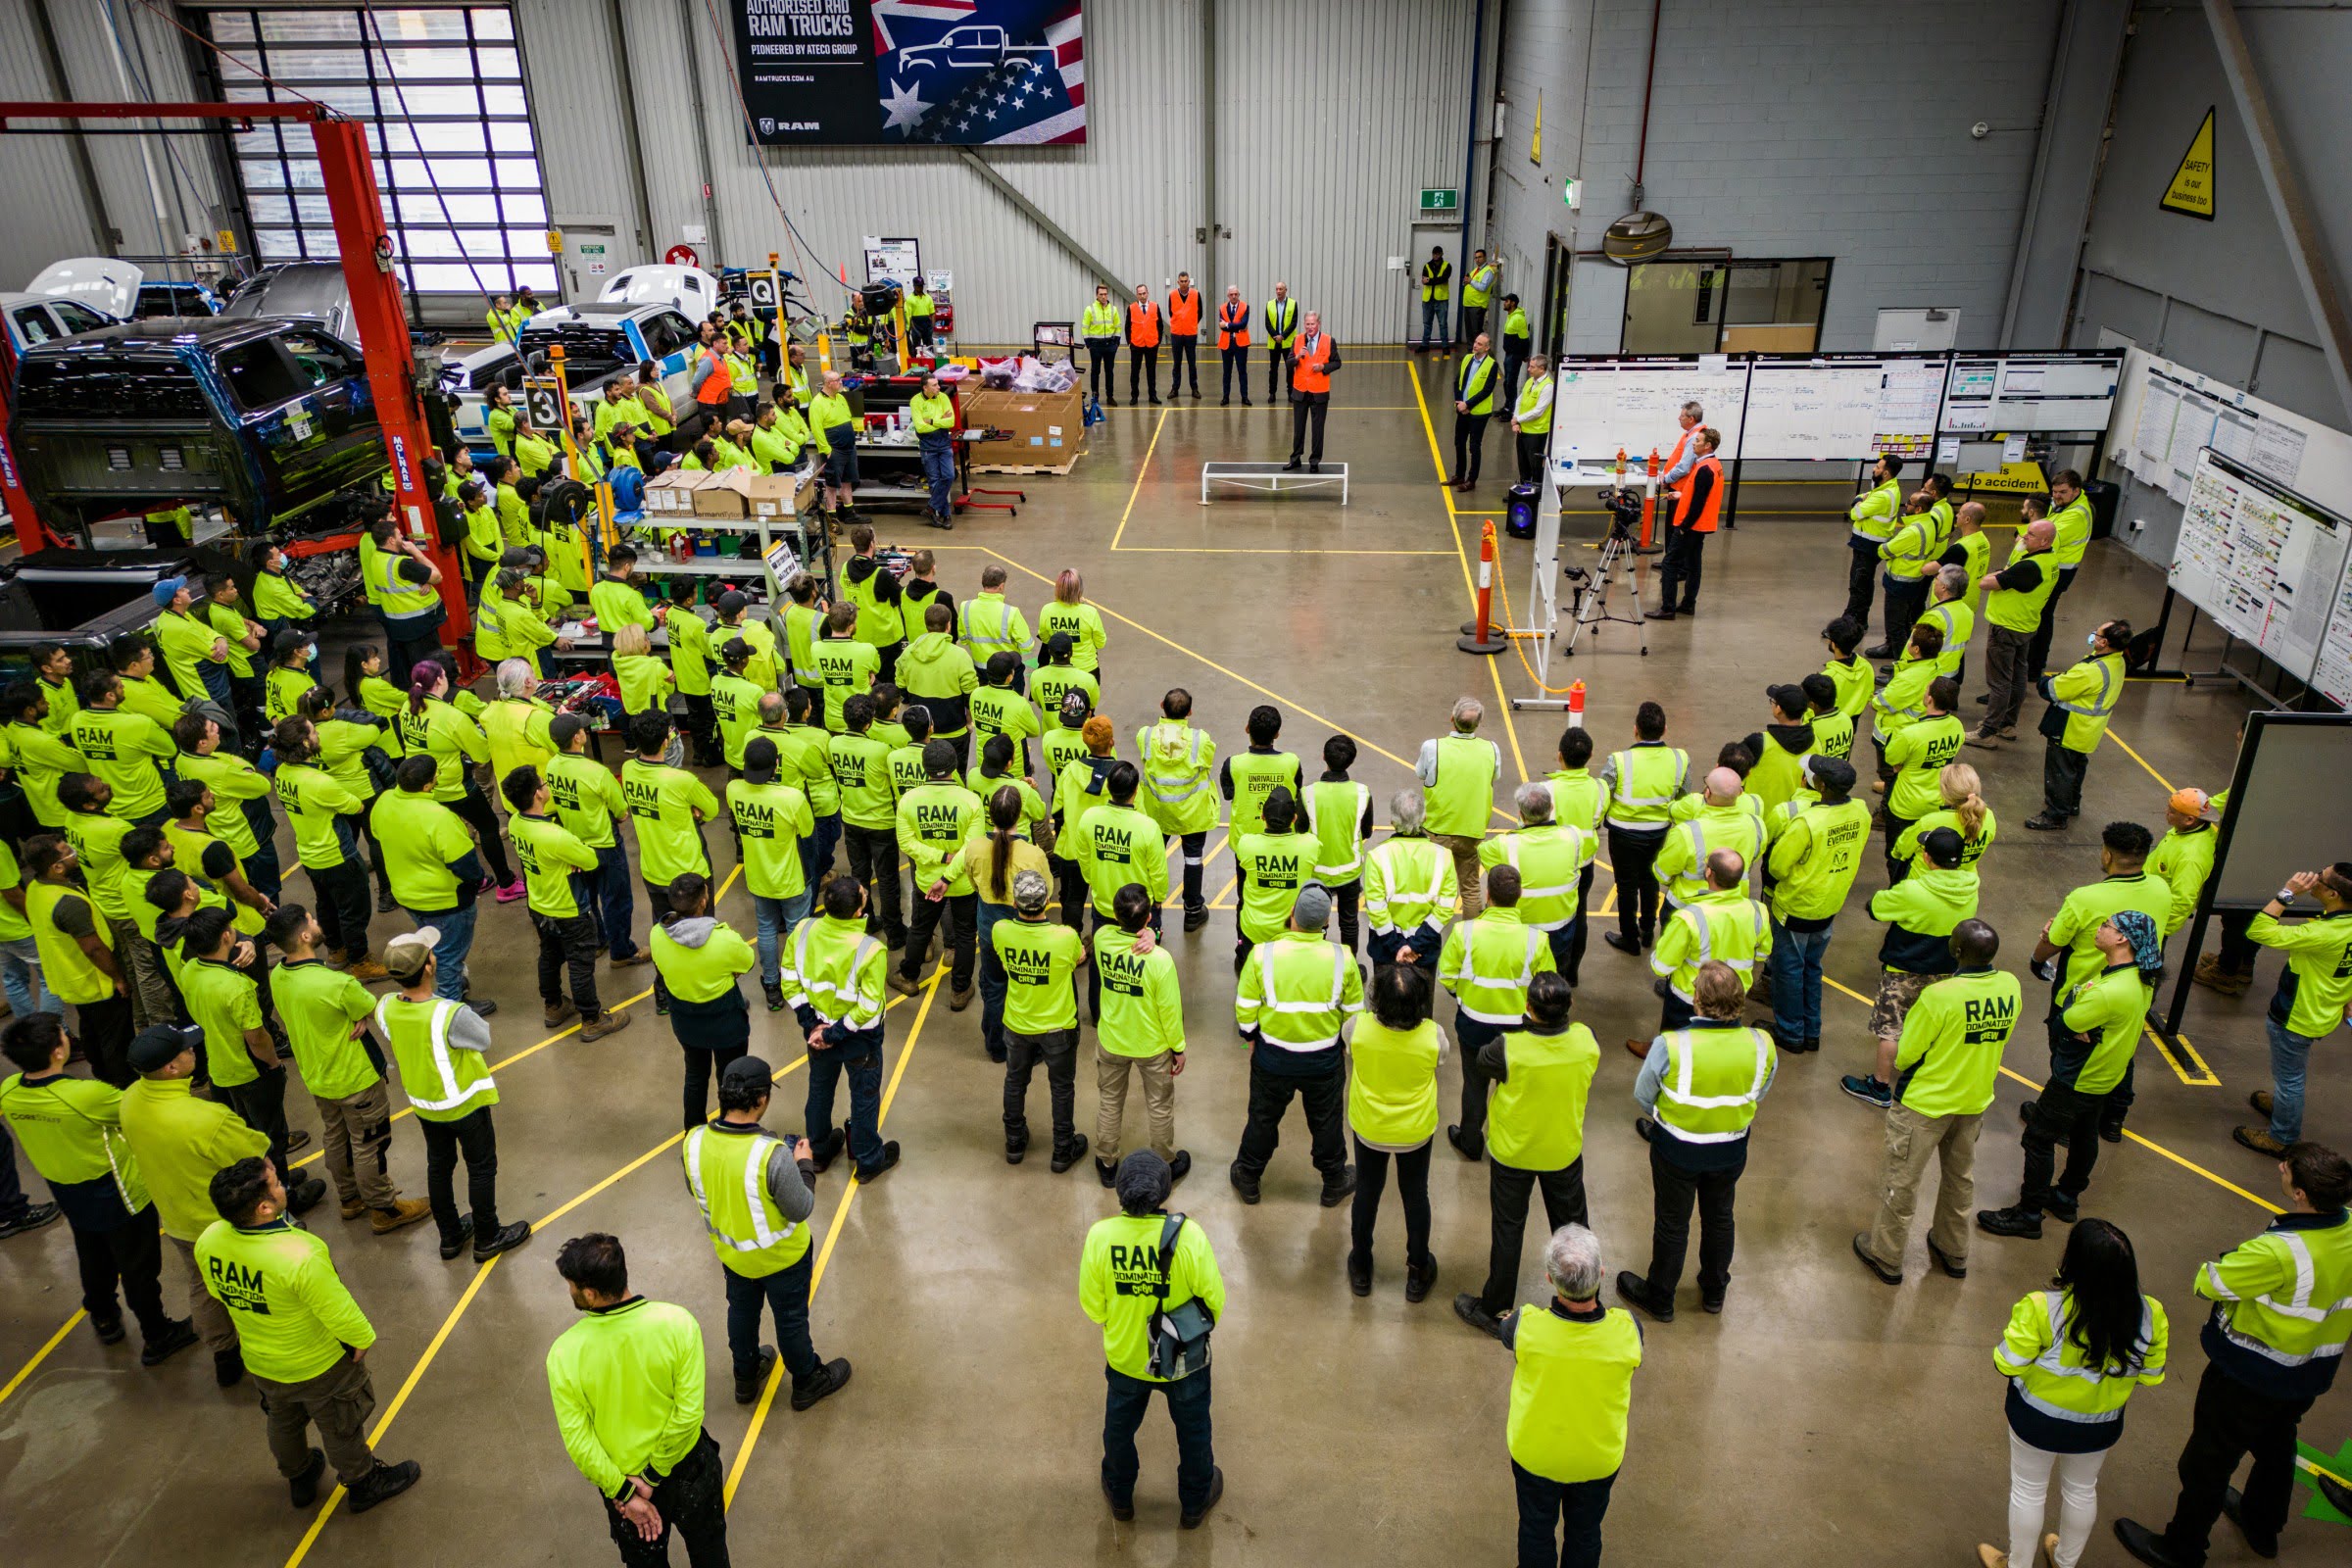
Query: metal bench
x=1271 y=477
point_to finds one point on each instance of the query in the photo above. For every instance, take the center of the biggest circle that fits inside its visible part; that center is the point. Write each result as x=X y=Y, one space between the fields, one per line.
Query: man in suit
x=1475 y=381
x=1313 y=356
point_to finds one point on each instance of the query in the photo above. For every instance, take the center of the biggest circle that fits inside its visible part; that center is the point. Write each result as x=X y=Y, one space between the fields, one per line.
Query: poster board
x=2166 y=413
x=893 y=259
x=1602 y=406
x=2266 y=563
x=1842 y=409
x=2017 y=392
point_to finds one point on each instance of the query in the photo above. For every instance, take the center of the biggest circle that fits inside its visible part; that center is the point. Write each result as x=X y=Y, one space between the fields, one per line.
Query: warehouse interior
x=2149 y=192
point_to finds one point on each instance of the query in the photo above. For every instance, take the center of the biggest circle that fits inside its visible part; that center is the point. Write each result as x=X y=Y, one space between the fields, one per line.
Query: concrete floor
x=1821 y=1410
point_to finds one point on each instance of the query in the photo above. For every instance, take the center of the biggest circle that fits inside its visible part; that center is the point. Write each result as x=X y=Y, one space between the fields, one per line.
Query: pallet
x=1027 y=467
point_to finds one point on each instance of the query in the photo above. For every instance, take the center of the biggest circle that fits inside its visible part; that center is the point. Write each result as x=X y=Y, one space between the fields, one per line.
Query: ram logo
x=768 y=128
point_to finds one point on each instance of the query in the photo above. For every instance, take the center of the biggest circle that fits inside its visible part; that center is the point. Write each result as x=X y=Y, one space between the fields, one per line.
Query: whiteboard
x=1844 y=409
x=2166 y=413
x=2013 y=392
x=2279 y=823
x=2331 y=676
x=1602 y=406
x=2266 y=563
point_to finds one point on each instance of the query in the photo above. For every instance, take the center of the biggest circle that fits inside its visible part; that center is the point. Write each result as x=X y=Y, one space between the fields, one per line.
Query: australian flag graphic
x=980 y=72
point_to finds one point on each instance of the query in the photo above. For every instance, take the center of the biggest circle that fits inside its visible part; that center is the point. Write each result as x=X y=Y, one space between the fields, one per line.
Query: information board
x=1603 y=405
x=2266 y=563
x=2279 y=823
x=1842 y=410
x=2015 y=392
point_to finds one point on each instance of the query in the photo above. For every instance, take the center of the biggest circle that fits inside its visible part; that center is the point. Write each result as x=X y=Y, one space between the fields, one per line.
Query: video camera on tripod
x=1624 y=508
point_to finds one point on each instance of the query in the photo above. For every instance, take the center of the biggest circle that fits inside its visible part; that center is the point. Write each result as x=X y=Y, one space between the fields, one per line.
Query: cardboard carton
x=726 y=495
x=1046 y=428
x=671 y=494
x=775 y=495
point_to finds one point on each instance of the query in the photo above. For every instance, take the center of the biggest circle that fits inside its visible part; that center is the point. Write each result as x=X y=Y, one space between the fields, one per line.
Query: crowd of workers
x=898 y=770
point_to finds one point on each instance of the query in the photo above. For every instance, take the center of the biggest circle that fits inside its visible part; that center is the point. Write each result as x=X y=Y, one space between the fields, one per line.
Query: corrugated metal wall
x=580 y=113
x=48 y=213
x=1332 y=114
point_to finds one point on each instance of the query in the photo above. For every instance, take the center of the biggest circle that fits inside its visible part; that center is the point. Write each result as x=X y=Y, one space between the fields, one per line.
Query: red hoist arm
x=352 y=199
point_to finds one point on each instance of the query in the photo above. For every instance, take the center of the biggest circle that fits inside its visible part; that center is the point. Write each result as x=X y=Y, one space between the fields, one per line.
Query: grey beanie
x=1030 y=892
x=1312 y=907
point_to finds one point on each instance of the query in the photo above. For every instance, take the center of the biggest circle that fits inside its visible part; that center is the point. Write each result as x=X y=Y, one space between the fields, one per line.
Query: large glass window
x=440 y=90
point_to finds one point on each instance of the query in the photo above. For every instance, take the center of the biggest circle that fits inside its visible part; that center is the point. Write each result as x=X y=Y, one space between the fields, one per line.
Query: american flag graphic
x=981 y=72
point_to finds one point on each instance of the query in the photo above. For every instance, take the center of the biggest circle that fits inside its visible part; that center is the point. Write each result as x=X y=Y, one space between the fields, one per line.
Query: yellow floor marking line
x=825 y=1255
x=2206 y=1077
x=40 y=1356
x=2185 y=1164
x=1141 y=469
x=2141 y=761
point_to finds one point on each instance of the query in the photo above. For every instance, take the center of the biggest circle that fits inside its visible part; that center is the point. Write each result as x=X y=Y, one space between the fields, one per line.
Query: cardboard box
x=725 y=495
x=1046 y=429
x=776 y=496
x=672 y=494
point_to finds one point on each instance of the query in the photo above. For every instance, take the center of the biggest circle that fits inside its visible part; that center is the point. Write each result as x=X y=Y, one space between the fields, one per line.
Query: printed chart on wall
x=1842 y=409
x=2179 y=419
x=898 y=73
x=2266 y=563
x=2016 y=392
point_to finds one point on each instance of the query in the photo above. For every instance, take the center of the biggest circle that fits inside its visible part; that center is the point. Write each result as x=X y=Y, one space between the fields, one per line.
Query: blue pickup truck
x=269 y=420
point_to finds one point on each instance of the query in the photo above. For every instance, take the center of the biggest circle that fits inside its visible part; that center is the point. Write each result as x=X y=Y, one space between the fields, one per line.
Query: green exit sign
x=1447 y=200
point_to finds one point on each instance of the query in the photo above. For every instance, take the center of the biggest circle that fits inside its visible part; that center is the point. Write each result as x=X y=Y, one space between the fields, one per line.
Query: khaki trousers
x=1159 y=1075
x=356 y=1145
x=338 y=1402
x=208 y=1315
x=1912 y=1141
x=1464 y=850
x=152 y=999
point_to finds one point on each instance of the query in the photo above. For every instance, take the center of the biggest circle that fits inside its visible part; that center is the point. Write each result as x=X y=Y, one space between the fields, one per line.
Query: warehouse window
x=440 y=91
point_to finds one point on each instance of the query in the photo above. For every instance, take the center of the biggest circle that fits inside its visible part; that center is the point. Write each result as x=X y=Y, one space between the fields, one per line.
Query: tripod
x=1617 y=554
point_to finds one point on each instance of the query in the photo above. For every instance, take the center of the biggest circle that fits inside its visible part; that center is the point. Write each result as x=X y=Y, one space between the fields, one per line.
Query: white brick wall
x=1782 y=130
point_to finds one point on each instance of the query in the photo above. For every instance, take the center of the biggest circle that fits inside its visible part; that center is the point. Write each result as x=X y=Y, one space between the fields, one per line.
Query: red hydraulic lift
x=368 y=273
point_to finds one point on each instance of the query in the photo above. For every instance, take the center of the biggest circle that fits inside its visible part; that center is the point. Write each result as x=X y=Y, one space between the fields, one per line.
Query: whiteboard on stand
x=1841 y=409
x=1603 y=406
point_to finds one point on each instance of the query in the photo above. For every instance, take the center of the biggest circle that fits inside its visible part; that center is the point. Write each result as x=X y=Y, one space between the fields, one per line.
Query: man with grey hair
x=1137 y=1266
x=1294 y=995
x=1550 y=858
x=2014 y=598
x=1410 y=890
x=1572 y=1388
x=1948 y=609
x=1458 y=772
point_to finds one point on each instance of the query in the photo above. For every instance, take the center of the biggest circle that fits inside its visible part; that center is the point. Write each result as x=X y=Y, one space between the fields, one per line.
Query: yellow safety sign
x=2191 y=189
x=1535 y=149
x=2010 y=479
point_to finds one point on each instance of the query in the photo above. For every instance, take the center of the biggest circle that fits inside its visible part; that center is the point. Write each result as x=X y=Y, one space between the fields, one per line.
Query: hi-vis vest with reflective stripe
x=2309 y=1324
x=2092 y=687
x=1463 y=796
x=1306 y=999
x=1177 y=776
x=1729 y=928
x=1411 y=885
x=1647 y=777
x=727 y=1173
x=397 y=594
x=830 y=986
x=1712 y=1082
x=985 y=636
x=443 y=1085
x=2020 y=608
x=1334 y=810
x=1496 y=963
x=2060 y=1386
x=1550 y=862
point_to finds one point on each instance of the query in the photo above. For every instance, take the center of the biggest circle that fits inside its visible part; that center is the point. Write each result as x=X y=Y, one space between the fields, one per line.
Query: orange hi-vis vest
x=1184 y=313
x=1307 y=374
x=1143 y=325
x=1705 y=522
x=715 y=386
x=1232 y=325
x=1676 y=456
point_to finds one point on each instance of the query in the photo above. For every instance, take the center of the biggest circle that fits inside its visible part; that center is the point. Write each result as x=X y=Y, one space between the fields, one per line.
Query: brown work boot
x=2260 y=1100
x=2211 y=975
x=611 y=1021
x=336 y=959
x=904 y=986
x=403 y=1211
x=957 y=1001
x=633 y=959
x=354 y=1207
x=558 y=1014
x=368 y=969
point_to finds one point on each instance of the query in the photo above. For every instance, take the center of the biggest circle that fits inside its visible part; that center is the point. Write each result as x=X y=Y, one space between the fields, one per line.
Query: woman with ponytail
x=990 y=860
x=2073 y=1355
x=1964 y=811
x=430 y=726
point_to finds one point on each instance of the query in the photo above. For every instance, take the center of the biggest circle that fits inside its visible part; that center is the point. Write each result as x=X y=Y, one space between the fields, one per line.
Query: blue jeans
x=21 y=976
x=1124 y=1402
x=448 y=954
x=2290 y=1056
x=785 y=1294
x=1433 y=323
x=777 y=917
x=864 y=1069
x=1797 y=981
x=605 y=892
x=938 y=470
x=816 y=850
x=992 y=981
x=1546 y=1505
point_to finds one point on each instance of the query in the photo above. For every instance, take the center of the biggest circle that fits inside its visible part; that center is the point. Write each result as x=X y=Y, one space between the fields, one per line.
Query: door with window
x=1721 y=306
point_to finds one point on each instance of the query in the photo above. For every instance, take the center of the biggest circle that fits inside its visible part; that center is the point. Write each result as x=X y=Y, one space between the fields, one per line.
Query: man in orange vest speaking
x=1694 y=512
x=713 y=387
x=1312 y=359
x=1184 y=336
x=1143 y=343
x=1233 y=342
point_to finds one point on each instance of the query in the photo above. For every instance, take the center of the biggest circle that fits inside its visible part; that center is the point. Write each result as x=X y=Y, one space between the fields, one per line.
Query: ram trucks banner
x=905 y=73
